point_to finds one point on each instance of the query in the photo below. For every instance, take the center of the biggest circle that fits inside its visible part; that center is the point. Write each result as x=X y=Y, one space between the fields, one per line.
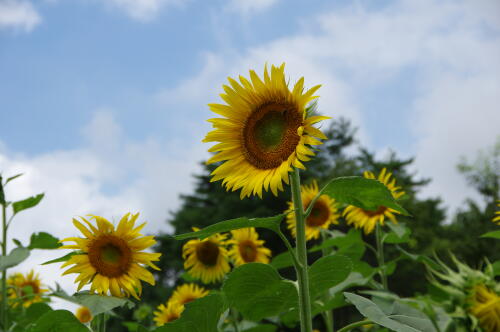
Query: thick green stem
x=101 y=327
x=380 y=255
x=302 y=276
x=4 y=273
x=327 y=315
x=353 y=325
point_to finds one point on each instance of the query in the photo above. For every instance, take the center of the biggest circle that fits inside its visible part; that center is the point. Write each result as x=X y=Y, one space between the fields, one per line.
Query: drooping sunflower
x=247 y=248
x=83 y=314
x=167 y=313
x=112 y=259
x=26 y=289
x=323 y=214
x=496 y=219
x=264 y=131
x=206 y=259
x=485 y=306
x=367 y=219
x=186 y=293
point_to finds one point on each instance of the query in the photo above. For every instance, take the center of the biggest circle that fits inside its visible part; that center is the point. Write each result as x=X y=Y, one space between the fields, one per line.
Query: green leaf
x=15 y=257
x=12 y=178
x=340 y=240
x=43 y=240
x=34 y=311
x=400 y=233
x=17 y=242
x=419 y=258
x=326 y=272
x=26 y=203
x=262 y=328
x=134 y=327
x=258 y=291
x=494 y=234
x=201 y=315
x=98 y=304
x=2 y=193
x=282 y=260
x=56 y=321
x=272 y=223
x=368 y=194
x=496 y=268
x=62 y=258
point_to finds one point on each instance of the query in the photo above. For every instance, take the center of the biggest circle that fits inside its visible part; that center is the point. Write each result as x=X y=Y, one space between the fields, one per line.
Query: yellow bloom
x=368 y=219
x=112 y=259
x=497 y=213
x=83 y=314
x=186 y=293
x=486 y=308
x=263 y=133
x=206 y=259
x=247 y=248
x=169 y=313
x=323 y=214
x=26 y=289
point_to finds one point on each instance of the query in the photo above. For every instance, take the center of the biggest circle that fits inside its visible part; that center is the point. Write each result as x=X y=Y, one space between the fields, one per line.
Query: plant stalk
x=380 y=255
x=4 y=272
x=302 y=276
x=353 y=325
x=327 y=315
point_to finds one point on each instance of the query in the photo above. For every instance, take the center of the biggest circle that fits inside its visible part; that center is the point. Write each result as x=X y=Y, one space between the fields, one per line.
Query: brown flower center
x=110 y=256
x=207 y=252
x=248 y=251
x=320 y=214
x=378 y=212
x=25 y=290
x=270 y=134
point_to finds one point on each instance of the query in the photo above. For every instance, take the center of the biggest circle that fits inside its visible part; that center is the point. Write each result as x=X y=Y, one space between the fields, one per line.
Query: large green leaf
x=15 y=257
x=399 y=233
x=494 y=234
x=32 y=313
x=26 y=203
x=282 y=260
x=365 y=193
x=43 y=240
x=201 y=315
x=326 y=272
x=258 y=291
x=62 y=258
x=57 y=321
x=272 y=223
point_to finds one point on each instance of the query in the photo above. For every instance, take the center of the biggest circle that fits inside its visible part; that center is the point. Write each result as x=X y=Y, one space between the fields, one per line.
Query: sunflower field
x=285 y=232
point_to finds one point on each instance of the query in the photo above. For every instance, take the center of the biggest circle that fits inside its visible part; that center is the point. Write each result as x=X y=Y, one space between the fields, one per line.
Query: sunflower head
x=206 y=259
x=25 y=289
x=496 y=218
x=83 y=314
x=186 y=293
x=111 y=259
x=323 y=214
x=367 y=219
x=167 y=313
x=485 y=306
x=264 y=131
x=247 y=248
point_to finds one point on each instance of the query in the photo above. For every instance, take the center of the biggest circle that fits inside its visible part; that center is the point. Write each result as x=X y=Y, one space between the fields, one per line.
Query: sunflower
x=497 y=213
x=264 y=132
x=367 y=219
x=323 y=214
x=486 y=308
x=206 y=259
x=26 y=289
x=167 y=313
x=83 y=314
x=111 y=259
x=187 y=293
x=247 y=248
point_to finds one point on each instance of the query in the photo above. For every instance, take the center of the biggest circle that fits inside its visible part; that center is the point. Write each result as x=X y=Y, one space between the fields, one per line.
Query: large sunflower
x=186 y=293
x=323 y=214
x=247 y=248
x=26 y=289
x=496 y=219
x=486 y=308
x=167 y=313
x=111 y=259
x=206 y=259
x=367 y=219
x=264 y=132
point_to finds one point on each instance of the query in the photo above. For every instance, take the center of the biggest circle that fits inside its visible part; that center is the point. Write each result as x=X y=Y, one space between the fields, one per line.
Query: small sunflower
x=206 y=259
x=367 y=219
x=247 y=248
x=83 y=314
x=496 y=219
x=486 y=308
x=186 y=293
x=112 y=259
x=167 y=313
x=263 y=133
x=323 y=214
x=26 y=289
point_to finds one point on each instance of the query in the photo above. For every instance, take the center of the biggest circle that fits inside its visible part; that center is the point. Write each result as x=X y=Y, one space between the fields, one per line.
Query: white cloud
x=18 y=14
x=246 y=7
x=143 y=10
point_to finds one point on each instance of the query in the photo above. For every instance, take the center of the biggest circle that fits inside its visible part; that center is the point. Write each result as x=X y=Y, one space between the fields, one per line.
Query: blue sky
x=103 y=102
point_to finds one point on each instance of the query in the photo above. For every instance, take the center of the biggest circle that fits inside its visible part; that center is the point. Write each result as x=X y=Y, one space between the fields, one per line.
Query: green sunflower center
x=248 y=251
x=320 y=214
x=207 y=252
x=110 y=256
x=269 y=130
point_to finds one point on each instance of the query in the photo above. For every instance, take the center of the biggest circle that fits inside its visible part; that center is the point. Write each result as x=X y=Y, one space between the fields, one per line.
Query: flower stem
x=380 y=255
x=101 y=326
x=327 y=315
x=4 y=273
x=301 y=267
x=353 y=325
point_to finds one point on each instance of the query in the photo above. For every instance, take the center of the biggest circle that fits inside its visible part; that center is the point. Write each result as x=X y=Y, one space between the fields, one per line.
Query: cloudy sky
x=103 y=102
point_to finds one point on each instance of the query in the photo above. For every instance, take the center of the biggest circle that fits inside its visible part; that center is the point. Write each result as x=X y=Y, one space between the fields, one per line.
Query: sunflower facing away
x=206 y=259
x=323 y=214
x=496 y=219
x=112 y=259
x=169 y=313
x=83 y=314
x=368 y=219
x=247 y=248
x=26 y=289
x=486 y=308
x=263 y=133
x=186 y=293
